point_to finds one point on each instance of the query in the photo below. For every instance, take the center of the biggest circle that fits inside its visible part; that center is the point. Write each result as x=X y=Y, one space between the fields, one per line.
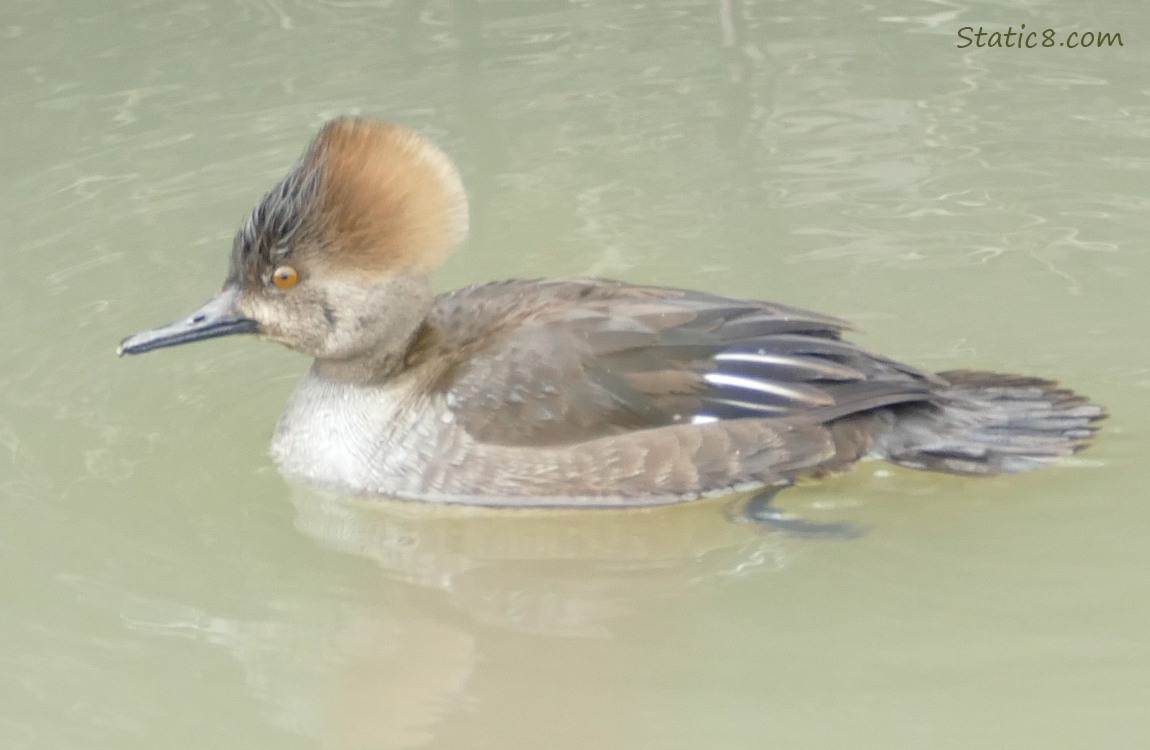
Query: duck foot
x=760 y=509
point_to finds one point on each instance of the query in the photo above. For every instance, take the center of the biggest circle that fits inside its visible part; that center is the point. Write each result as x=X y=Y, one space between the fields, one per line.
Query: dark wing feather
x=560 y=362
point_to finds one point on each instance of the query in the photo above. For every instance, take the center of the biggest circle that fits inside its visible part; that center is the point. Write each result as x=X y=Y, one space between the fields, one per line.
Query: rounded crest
x=388 y=199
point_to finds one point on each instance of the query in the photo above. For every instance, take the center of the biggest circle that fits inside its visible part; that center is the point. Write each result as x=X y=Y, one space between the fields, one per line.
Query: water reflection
x=390 y=660
x=544 y=572
x=345 y=673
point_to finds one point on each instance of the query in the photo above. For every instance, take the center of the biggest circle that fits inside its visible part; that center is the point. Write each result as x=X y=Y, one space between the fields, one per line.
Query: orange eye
x=285 y=277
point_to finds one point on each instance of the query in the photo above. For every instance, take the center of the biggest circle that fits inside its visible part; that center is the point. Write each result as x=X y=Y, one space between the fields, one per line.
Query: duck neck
x=373 y=343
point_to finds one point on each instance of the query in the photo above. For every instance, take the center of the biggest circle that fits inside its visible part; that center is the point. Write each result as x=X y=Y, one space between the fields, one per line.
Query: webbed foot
x=760 y=509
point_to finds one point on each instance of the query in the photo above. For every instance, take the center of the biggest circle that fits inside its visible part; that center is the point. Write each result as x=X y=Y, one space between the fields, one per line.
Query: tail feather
x=991 y=423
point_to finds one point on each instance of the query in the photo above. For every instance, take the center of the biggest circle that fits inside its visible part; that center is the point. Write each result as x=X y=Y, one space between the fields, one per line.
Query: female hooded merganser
x=579 y=392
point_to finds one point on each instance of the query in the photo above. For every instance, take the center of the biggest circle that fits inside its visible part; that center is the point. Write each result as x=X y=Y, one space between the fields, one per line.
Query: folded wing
x=561 y=362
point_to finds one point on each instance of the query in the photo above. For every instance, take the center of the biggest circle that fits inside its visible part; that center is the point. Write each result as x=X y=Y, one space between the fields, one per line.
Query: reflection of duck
x=349 y=672
x=584 y=392
x=565 y=573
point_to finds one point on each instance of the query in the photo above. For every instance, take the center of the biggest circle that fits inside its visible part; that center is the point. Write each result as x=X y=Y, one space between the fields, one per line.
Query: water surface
x=969 y=208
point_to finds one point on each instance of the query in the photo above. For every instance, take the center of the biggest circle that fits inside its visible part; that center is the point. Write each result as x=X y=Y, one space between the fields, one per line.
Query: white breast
x=360 y=438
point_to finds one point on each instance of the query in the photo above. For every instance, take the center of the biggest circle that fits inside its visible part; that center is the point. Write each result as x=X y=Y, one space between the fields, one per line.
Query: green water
x=165 y=588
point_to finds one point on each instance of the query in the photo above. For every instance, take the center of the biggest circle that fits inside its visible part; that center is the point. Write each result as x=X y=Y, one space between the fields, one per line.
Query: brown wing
x=560 y=362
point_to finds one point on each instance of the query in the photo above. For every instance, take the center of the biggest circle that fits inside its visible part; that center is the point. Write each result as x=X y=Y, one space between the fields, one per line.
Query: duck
x=583 y=392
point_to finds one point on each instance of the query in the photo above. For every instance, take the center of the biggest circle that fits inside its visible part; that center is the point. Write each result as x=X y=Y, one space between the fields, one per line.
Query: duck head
x=334 y=260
